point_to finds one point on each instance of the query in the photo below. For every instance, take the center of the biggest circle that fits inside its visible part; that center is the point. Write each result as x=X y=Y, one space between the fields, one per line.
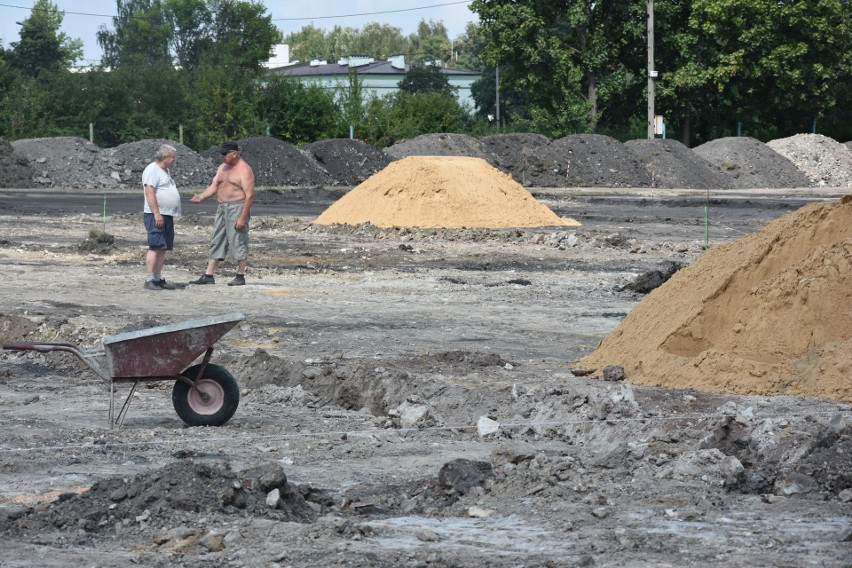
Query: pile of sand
x=768 y=314
x=441 y=192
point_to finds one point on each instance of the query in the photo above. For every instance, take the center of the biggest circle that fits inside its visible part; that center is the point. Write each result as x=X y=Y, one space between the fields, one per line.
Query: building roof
x=342 y=68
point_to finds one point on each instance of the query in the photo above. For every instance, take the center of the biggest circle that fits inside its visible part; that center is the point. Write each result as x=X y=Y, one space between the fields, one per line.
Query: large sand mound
x=440 y=192
x=767 y=314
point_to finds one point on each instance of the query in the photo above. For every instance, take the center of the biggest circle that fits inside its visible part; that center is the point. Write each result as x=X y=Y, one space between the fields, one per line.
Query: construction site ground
x=414 y=386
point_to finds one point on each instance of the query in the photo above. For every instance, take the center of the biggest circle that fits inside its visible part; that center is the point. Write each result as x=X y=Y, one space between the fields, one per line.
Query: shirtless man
x=233 y=186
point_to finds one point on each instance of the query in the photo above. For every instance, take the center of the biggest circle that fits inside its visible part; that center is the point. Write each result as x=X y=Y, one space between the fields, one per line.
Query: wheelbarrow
x=204 y=394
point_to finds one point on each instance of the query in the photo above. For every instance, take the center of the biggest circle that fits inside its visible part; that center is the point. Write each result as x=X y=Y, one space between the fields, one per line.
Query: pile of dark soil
x=176 y=493
x=14 y=168
x=527 y=157
x=276 y=163
x=443 y=144
x=595 y=160
x=129 y=160
x=68 y=161
x=348 y=162
x=751 y=164
x=674 y=166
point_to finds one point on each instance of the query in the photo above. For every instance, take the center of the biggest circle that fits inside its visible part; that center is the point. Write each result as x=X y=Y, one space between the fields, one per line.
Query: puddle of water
x=498 y=535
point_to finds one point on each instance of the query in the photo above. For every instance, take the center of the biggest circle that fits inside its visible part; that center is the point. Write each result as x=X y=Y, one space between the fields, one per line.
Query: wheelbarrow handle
x=42 y=347
x=87 y=358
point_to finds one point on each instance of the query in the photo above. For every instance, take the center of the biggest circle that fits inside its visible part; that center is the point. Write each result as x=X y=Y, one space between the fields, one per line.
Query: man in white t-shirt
x=162 y=206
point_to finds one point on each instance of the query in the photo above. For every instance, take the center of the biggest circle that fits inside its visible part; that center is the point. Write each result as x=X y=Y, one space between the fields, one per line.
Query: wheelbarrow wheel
x=211 y=402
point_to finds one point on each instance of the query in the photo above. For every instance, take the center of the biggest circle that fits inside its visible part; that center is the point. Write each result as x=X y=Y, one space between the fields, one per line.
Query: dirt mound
x=443 y=144
x=674 y=166
x=191 y=170
x=751 y=164
x=68 y=161
x=14 y=168
x=595 y=160
x=528 y=158
x=824 y=161
x=348 y=162
x=757 y=316
x=176 y=493
x=276 y=163
x=447 y=192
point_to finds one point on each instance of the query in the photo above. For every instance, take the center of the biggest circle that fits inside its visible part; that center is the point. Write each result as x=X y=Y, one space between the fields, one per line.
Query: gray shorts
x=225 y=236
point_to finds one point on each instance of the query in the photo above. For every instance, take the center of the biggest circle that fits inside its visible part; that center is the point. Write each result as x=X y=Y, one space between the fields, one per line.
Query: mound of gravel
x=191 y=170
x=177 y=493
x=674 y=166
x=751 y=164
x=276 y=163
x=14 y=168
x=68 y=161
x=824 y=161
x=348 y=162
x=442 y=144
x=595 y=160
x=526 y=157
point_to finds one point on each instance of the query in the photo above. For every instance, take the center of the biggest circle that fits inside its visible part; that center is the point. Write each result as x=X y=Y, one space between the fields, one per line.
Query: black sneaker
x=151 y=285
x=239 y=280
x=205 y=279
x=164 y=285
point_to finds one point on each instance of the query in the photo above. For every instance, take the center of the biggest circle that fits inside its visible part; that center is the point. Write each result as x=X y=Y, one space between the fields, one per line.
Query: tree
x=772 y=66
x=190 y=33
x=42 y=46
x=467 y=49
x=406 y=115
x=429 y=44
x=426 y=79
x=563 y=54
x=297 y=113
x=310 y=43
x=378 y=41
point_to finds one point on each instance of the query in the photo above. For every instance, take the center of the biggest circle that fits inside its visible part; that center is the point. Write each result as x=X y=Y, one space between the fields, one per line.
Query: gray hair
x=165 y=151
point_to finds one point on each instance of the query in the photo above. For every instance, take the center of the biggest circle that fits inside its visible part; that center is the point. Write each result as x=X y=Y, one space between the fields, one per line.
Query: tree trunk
x=684 y=133
x=593 y=99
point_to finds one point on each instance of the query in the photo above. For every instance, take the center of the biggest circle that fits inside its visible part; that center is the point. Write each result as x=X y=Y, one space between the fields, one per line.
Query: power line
x=428 y=6
x=373 y=13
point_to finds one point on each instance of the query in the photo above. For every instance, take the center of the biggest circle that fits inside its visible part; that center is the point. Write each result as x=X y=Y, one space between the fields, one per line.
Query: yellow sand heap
x=768 y=314
x=441 y=192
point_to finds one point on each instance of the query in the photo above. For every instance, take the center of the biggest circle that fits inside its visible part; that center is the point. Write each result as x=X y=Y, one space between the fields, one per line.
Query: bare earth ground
x=367 y=358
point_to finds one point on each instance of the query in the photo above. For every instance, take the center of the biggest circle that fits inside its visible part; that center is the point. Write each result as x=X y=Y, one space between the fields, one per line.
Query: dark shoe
x=205 y=279
x=163 y=284
x=151 y=285
x=239 y=280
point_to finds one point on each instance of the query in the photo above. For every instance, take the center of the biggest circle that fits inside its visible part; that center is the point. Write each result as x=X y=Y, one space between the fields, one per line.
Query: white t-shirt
x=165 y=190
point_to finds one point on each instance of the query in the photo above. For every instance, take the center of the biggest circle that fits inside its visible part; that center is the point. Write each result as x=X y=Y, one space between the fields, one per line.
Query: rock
x=613 y=373
x=461 y=475
x=273 y=498
x=213 y=541
x=486 y=426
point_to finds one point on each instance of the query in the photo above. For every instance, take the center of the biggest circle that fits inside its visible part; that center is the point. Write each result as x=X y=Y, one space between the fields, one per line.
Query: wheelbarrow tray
x=164 y=351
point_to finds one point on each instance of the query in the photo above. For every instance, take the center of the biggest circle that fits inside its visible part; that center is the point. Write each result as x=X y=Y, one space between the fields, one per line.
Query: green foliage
x=311 y=43
x=42 y=46
x=190 y=33
x=429 y=44
x=426 y=79
x=406 y=115
x=297 y=113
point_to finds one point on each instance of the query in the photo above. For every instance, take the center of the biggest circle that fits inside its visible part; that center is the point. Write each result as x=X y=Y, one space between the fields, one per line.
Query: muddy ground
x=408 y=399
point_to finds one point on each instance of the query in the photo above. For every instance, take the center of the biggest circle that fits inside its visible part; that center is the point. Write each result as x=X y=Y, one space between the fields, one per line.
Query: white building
x=377 y=77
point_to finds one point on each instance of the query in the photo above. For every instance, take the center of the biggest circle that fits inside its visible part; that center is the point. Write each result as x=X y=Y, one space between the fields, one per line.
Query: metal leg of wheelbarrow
x=122 y=413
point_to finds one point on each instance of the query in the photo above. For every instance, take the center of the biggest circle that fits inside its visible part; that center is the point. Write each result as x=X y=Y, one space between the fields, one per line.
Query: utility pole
x=497 y=93
x=651 y=73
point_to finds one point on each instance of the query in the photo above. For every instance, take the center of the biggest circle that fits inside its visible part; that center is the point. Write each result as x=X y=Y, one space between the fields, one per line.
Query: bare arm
x=151 y=198
x=247 y=179
x=210 y=191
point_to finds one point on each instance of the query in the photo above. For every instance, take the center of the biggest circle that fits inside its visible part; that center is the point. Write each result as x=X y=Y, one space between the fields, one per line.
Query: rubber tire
x=214 y=373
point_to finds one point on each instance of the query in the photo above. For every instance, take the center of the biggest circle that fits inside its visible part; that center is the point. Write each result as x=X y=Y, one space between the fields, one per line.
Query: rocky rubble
x=825 y=162
x=578 y=160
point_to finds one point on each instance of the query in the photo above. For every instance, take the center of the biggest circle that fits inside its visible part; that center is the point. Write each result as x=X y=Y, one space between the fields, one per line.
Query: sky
x=84 y=17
